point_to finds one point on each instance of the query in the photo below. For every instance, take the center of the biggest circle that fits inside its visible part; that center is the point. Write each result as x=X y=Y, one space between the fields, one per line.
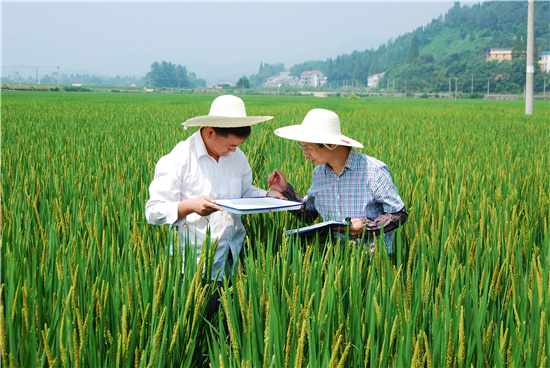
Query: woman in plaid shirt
x=346 y=184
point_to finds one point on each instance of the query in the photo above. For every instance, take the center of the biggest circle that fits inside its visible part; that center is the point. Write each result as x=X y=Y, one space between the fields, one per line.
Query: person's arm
x=291 y=194
x=202 y=205
x=385 y=193
x=164 y=205
x=386 y=221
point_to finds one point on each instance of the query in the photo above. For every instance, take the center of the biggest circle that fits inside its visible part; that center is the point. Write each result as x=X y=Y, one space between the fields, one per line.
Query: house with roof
x=374 y=79
x=498 y=55
x=313 y=78
x=282 y=79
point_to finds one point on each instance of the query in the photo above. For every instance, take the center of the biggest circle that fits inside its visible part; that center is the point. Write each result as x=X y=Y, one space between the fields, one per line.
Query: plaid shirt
x=364 y=188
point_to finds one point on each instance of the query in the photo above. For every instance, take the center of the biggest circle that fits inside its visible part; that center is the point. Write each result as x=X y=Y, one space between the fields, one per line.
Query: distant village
x=315 y=78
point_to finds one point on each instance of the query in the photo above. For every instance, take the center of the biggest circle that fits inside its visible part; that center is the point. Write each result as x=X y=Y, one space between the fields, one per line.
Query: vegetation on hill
x=450 y=48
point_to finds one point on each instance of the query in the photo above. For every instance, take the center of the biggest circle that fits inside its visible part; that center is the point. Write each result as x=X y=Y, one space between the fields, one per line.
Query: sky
x=218 y=41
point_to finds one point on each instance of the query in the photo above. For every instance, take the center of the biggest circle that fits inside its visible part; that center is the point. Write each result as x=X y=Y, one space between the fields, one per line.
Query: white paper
x=244 y=206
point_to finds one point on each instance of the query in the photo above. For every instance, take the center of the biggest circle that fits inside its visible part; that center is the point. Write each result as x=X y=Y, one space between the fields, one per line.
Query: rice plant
x=87 y=282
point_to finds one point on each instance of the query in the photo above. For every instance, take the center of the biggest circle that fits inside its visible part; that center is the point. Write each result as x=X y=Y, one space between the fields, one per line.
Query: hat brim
x=225 y=121
x=304 y=134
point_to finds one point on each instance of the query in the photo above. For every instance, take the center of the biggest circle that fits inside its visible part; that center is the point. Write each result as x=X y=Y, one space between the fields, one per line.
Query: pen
x=271 y=182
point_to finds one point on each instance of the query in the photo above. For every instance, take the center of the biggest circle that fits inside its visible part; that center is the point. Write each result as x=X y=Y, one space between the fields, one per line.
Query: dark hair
x=240 y=132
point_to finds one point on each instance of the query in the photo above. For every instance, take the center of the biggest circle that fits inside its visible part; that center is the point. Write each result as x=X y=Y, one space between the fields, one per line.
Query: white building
x=313 y=78
x=545 y=61
x=374 y=79
x=283 y=79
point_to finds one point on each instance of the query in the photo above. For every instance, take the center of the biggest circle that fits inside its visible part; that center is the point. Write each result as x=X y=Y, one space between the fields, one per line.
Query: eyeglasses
x=308 y=149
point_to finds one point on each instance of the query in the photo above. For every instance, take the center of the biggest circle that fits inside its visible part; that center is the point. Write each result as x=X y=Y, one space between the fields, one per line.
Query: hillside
x=451 y=46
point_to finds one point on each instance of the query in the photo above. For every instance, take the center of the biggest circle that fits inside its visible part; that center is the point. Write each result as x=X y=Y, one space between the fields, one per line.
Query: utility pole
x=488 y=82
x=530 y=72
x=456 y=88
x=472 y=89
x=544 y=90
x=449 y=85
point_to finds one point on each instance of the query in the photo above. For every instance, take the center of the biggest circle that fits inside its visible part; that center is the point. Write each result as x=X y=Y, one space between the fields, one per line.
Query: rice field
x=86 y=282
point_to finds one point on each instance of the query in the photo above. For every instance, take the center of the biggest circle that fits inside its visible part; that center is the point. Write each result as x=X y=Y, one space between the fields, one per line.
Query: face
x=218 y=146
x=317 y=154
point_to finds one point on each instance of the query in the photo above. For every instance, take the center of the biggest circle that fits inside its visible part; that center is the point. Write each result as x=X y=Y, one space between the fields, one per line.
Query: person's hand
x=275 y=194
x=202 y=205
x=355 y=228
x=277 y=180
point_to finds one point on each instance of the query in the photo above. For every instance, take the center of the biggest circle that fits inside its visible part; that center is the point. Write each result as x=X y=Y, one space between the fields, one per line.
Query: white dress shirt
x=188 y=172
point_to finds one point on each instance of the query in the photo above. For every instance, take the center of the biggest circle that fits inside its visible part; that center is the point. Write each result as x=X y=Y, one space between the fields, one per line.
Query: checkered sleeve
x=385 y=191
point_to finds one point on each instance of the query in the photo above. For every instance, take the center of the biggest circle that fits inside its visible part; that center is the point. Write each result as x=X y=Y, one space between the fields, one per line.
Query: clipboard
x=321 y=227
x=246 y=206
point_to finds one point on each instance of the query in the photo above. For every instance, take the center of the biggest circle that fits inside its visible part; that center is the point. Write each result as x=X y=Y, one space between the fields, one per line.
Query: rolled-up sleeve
x=164 y=194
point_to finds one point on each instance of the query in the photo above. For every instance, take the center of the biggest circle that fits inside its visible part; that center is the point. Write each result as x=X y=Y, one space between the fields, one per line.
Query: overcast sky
x=219 y=41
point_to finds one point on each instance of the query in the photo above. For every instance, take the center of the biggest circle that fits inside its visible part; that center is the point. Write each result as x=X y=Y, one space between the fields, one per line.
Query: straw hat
x=319 y=126
x=226 y=111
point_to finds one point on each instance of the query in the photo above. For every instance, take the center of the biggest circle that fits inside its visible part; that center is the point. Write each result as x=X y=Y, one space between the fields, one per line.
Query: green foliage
x=87 y=282
x=413 y=50
x=243 y=82
x=453 y=45
x=519 y=47
x=266 y=71
x=75 y=89
x=169 y=75
x=298 y=69
x=166 y=74
x=472 y=96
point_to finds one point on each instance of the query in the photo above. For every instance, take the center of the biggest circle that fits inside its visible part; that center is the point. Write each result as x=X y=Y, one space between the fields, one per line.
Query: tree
x=518 y=49
x=413 y=50
x=243 y=82
x=266 y=70
x=181 y=75
x=168 y=75
x=195 y=82
x=330 y=72
x=360 y=73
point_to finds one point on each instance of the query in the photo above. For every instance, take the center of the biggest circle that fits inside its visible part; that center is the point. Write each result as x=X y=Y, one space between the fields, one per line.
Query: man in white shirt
x=198 y=171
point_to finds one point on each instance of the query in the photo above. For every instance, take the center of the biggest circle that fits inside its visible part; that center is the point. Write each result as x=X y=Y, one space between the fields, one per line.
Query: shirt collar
x=350 y=164
x=199 y=146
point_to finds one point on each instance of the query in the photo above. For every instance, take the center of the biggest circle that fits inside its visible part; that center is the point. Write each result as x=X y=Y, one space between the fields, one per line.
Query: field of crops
x=87 y=282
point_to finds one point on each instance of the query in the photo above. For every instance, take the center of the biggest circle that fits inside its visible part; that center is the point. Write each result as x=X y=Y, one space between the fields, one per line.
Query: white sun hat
x=226 y=111
x=319 y=126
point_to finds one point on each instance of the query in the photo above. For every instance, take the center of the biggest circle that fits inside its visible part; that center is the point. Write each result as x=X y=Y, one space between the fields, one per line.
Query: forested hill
x=451 y=46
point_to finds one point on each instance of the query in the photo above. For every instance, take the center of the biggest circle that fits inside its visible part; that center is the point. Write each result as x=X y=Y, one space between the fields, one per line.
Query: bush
x=76 y=89
x=472 y=96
